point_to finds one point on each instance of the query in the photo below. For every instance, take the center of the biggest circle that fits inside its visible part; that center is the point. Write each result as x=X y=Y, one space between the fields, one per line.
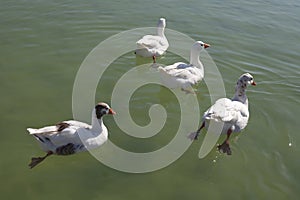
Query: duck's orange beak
x=206 y=45
x=111 y=111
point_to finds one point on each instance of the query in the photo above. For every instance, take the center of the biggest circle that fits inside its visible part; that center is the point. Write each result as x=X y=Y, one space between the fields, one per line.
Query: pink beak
x=206 y=45
x=111 y=111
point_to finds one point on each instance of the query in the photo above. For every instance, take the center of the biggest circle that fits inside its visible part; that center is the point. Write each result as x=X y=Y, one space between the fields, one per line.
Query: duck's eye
x=104 y=111
x=251 y=79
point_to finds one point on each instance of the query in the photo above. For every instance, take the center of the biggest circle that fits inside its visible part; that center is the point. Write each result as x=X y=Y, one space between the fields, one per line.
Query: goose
x=153 y=45
x=70 y=137
x=233 y=112
x=185 y=75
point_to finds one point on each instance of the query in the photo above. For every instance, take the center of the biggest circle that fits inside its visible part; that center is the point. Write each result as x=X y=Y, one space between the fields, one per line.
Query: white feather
x=153 y=45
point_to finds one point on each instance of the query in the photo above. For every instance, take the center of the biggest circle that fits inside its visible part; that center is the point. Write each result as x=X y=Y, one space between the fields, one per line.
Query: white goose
x=69 y=137
x=184 y=75
x=233 y=112
x=153 y=45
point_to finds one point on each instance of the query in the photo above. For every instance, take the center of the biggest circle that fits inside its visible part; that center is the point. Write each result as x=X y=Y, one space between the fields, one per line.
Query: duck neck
x=195 y=61
x=96 y=124
x=161 y=32
x=240 y=93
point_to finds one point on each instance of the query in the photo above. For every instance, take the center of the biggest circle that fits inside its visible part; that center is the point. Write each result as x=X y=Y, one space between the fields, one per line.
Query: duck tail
x=45 y=130
x=161 y=69
x=164 y=72
x=37 y=134
x=32 y=131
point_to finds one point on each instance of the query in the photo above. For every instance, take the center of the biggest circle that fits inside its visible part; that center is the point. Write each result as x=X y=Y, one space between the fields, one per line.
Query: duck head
x=103 y=109
x=199 y=45
x=162 y=23
x=246 y=79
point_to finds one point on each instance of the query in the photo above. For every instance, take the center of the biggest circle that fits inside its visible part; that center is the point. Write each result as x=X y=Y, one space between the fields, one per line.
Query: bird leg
x=224 y=147
x=194 y=135
x=154 y=58
x=36 y=161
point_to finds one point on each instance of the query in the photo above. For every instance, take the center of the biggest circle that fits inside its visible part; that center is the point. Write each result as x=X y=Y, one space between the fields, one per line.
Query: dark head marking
x=103 y=109
x=246 y=79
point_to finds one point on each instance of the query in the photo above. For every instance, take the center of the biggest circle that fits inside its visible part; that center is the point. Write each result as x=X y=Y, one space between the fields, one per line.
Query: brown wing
x=61 y=126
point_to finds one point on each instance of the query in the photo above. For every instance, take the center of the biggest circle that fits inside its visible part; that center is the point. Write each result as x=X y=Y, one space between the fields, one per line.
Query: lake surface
x=43 y=44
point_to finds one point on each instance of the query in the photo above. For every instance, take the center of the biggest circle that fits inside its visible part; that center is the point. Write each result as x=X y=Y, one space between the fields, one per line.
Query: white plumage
x=153 y=45
x=182 y=75
x=233 y=112
x=69 y=137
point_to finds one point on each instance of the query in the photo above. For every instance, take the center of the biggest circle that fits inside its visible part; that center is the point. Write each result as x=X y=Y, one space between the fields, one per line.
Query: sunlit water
x=43 y=44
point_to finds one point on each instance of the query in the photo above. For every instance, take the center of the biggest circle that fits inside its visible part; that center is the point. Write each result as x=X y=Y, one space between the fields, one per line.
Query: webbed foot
x=36 y=160
x=193 y=136
x=224 y=148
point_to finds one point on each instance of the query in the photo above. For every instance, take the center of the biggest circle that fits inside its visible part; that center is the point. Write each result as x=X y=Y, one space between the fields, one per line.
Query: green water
x=43 y=44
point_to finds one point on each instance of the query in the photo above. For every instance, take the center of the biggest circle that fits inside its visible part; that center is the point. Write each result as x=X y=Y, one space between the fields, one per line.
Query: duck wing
x=152 y=42
x=60 y=134
x=78 y=124
x=184 y=71
x=230 y=112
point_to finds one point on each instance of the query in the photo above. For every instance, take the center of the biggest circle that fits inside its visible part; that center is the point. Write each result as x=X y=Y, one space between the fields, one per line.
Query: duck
x=153 y=45
x=70 y=137
x=232 y=113
x=185 y=75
